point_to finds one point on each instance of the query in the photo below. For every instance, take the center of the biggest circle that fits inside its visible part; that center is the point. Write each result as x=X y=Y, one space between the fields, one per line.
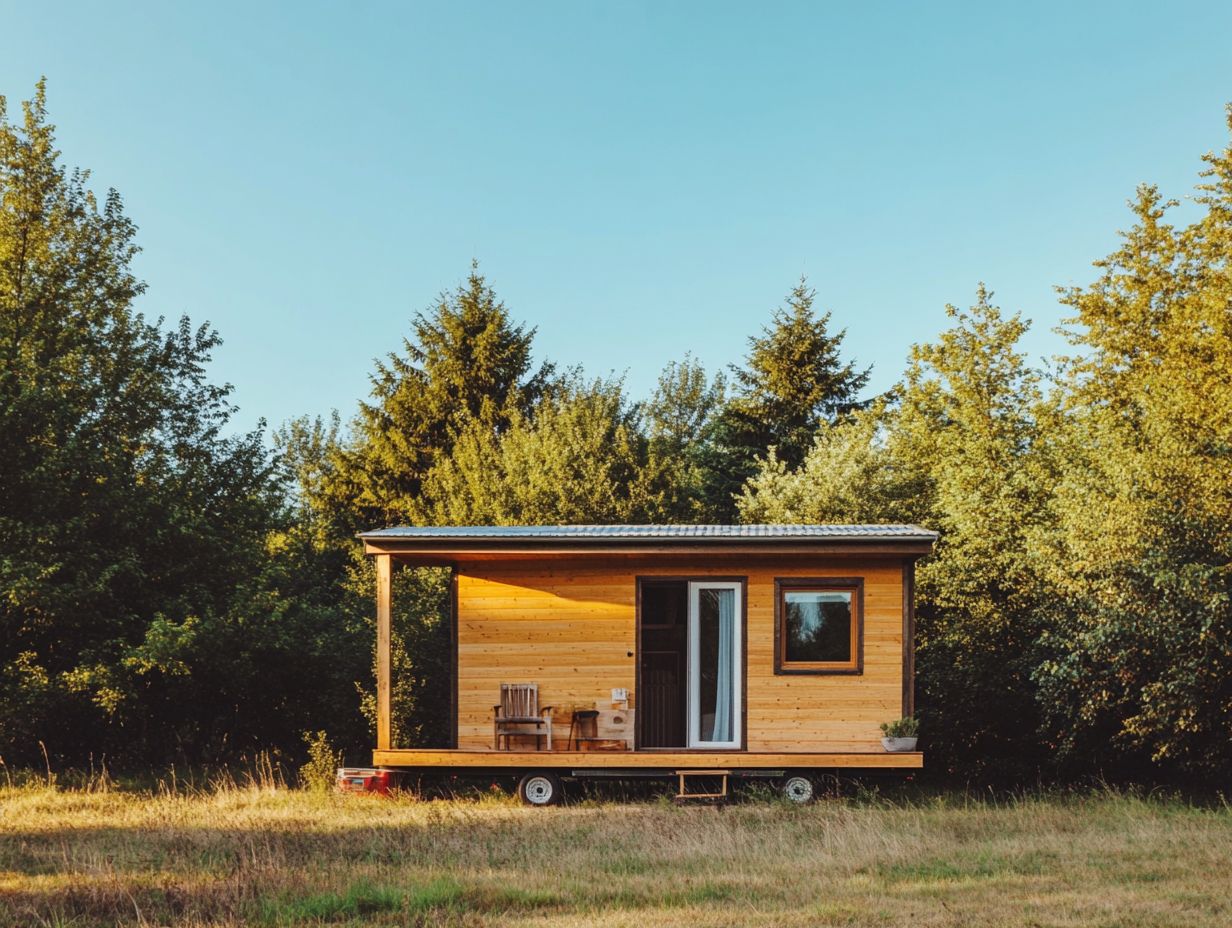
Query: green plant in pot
x=900 y=735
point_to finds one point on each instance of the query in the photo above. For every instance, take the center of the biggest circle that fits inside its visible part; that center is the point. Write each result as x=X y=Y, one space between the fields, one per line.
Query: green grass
x=276 y=857
x=362 y=898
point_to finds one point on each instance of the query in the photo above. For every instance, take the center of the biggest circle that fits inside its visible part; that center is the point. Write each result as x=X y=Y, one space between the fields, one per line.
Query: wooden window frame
x=853 y=585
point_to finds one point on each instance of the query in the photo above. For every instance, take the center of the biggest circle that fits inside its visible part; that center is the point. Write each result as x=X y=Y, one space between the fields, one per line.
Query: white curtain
x=724 y=697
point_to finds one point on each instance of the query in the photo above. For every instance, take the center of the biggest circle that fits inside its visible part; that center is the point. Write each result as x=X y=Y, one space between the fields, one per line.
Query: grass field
x=262 y=856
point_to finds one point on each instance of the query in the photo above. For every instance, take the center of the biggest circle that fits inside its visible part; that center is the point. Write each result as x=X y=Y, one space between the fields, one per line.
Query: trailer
x=703 y=653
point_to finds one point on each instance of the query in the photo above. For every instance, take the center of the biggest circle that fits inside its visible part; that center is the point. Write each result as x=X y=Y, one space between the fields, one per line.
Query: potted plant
x=900 y=735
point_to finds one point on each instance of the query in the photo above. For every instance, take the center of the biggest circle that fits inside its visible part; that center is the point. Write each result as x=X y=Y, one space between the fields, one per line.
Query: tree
x=680 y=421
x=795 y=380
x=464 y=374
x=466 y=366
x=579 y=458
x=970 y=421
x=129 y=518
x=958 y=452
x=853 y=473
x=1140 y=662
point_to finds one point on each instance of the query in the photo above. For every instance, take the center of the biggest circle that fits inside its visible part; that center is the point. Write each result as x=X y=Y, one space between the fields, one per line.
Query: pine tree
x=462 y=380
x=794 y=381
x=466 y=366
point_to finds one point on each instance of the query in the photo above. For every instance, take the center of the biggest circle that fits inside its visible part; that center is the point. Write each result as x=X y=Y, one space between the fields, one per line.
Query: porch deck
x=651 y=760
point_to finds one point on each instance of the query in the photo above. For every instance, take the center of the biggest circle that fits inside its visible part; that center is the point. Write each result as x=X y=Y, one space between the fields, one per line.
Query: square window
x=818 y=626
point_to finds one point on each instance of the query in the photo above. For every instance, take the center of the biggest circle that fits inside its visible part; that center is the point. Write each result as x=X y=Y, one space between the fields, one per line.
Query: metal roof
x=830 y=532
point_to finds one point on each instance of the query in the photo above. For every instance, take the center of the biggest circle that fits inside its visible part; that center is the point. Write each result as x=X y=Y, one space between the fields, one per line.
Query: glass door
x=714 y=665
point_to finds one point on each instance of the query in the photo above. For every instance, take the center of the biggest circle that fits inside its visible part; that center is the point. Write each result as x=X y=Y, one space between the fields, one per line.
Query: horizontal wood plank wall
x=569 y=625
x=647 y=760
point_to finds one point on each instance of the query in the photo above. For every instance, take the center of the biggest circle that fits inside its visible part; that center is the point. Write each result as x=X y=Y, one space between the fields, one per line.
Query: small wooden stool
x=583 y=726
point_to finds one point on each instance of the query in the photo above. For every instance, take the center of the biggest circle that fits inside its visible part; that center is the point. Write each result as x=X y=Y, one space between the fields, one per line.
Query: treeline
x=171 y=591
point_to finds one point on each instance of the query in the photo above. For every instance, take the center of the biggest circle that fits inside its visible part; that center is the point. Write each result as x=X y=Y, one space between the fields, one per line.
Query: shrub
x=323 y=761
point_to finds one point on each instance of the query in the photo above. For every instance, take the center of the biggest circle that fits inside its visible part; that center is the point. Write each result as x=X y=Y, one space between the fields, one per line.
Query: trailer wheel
x=798 y=789
x=540 y=789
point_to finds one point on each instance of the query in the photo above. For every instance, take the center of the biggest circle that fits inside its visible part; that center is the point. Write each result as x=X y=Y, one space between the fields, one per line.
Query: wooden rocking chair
x=519 y=714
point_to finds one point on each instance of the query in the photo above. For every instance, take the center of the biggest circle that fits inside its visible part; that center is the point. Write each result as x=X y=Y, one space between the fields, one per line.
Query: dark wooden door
x=662 y=697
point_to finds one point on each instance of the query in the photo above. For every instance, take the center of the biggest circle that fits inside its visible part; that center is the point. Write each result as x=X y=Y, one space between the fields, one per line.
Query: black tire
x=798 y=789
x=540 y=788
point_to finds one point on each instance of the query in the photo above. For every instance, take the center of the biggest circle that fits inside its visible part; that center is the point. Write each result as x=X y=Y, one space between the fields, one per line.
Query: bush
x=323 y=763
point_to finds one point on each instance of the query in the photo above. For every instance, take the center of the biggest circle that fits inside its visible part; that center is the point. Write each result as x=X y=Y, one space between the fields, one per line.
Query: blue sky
x=637 y=180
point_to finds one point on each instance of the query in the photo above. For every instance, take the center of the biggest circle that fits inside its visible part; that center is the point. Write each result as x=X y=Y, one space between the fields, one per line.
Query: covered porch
x=564 y=608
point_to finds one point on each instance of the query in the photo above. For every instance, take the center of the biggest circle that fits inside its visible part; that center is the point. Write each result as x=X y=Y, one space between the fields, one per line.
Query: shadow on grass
x=282 y=859
x=362 y=899
x=367 y=870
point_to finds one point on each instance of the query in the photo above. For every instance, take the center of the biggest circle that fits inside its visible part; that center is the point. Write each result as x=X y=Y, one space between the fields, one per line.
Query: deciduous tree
x=129 y=516
x=958 y=452
x=1140 y=665
x=580 y=458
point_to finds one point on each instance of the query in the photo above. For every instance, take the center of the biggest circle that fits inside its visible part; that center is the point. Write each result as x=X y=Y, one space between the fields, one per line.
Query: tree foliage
x=851 y=474
x=580 y=458
x=793 y=383
x=957 y=452
x=681 y=420
x=173 y=589
x=1077 y=615
x=969 y=422
x=135 y=530
x=1141 y=642
x=467 y=367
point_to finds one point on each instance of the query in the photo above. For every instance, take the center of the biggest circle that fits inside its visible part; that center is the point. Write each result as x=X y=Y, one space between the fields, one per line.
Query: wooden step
x=682 y=793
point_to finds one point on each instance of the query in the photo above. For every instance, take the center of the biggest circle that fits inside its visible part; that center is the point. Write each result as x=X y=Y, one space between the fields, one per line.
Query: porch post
x=384 y=598
x=908 y=637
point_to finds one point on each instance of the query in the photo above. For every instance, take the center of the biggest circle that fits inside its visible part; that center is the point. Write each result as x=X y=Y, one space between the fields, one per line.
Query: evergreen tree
x=462 y=380
x=794 y=381
x=467 y=366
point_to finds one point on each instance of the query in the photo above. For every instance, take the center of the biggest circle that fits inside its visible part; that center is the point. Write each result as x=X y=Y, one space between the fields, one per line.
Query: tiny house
x=699 y=652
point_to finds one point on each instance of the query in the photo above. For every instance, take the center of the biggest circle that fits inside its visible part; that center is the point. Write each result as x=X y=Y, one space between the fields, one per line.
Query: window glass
x=817 y=626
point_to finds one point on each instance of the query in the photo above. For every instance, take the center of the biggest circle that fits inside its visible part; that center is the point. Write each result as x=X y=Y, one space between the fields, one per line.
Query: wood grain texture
x=569 y=625
x=653 y=760
x=384 y=599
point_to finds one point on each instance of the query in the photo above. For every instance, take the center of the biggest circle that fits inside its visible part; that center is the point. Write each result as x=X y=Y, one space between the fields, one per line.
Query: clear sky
x=637 y=180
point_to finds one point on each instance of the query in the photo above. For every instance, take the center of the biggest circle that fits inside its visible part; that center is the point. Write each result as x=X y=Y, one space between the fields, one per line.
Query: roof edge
x=442 y=541
x=763 y=532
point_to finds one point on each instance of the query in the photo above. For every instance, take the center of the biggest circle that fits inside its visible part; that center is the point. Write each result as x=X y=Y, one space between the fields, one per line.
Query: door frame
x=743 y=661
x=693 y=676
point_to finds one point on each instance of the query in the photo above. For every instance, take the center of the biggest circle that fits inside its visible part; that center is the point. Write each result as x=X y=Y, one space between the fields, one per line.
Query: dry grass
x=261 y=856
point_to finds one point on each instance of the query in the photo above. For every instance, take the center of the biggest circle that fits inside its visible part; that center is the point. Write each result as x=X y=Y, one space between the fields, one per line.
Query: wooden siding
x=570 y=626
x=649 y=760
